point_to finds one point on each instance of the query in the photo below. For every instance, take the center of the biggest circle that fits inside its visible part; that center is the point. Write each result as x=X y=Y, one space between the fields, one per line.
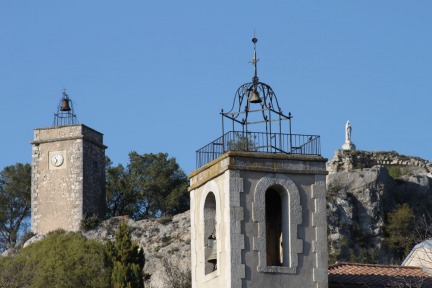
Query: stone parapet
x=64 y=133
x=258 y=162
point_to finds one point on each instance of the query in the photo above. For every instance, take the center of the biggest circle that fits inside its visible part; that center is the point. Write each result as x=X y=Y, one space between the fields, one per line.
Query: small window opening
x=274 y=235
x=277 y=210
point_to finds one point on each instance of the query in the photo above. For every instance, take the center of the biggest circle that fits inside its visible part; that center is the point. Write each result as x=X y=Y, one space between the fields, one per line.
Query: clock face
x=57 y=160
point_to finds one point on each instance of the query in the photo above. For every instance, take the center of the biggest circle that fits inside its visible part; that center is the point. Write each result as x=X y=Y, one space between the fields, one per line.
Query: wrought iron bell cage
x=255 y=124
x=65 y=112
x=246 y=118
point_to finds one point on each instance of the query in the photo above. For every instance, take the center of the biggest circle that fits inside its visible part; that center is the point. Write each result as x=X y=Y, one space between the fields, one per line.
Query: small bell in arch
x=212 y=242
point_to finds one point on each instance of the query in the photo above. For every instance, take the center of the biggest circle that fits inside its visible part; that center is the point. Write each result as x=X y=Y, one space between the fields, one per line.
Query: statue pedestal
x=349 y=146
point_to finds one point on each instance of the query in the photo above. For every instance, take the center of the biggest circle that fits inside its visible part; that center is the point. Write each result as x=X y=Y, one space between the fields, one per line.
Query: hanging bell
x=65 y=105
x=213 y=256
x=255 y=98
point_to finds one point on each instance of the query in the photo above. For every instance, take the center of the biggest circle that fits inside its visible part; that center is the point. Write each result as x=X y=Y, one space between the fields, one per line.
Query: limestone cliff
x=165 y=241
x=363 y=187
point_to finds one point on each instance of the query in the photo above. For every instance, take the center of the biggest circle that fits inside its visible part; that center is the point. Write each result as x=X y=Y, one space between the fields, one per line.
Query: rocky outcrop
x=347 y=160
x=356 y=208
x=363 y=187
x=163 y=239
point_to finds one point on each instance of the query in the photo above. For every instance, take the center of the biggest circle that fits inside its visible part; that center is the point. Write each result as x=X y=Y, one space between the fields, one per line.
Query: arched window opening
x=276 y=227
x=210 y=244
x=278 y=212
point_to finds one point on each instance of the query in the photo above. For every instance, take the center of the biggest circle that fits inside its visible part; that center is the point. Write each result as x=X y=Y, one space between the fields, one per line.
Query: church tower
x=258 y=200
x=68 y=173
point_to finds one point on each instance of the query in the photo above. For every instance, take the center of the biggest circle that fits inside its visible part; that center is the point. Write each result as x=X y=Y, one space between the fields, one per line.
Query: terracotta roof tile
x=375 y=275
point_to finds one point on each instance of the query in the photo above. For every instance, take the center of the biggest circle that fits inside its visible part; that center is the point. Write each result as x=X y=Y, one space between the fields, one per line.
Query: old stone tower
x=258 y=203
x=68 y=173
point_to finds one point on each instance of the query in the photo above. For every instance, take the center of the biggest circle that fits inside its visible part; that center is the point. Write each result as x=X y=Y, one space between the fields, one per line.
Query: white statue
x=348 y=132
x=348 y=145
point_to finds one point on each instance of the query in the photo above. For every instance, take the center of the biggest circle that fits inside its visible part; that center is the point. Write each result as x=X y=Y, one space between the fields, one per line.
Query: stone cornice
x=259 y=162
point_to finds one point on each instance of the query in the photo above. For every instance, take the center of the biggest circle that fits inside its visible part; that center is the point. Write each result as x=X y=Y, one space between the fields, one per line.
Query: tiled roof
x=344 y=274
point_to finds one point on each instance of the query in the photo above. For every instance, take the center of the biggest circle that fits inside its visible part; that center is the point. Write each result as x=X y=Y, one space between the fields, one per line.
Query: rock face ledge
x=355 y=160
x=363 y=187
x=164 y=238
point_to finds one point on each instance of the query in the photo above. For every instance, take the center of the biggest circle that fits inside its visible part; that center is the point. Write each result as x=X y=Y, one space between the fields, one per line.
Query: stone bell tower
x=259 y=194
x=68 y=173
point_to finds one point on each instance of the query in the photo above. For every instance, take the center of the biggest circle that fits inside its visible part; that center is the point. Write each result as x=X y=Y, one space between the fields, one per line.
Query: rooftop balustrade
x=277 y=143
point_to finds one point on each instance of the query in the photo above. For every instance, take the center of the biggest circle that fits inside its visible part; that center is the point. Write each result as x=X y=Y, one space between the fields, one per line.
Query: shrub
x=90 y=222
x=176 y=275
x=60 y=260
x=394 y=171
x=164 y=220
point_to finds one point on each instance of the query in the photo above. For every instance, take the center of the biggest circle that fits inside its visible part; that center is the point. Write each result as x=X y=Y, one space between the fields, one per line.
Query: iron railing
x=278 y=143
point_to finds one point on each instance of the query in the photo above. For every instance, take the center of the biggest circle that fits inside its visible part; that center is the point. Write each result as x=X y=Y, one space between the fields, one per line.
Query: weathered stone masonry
x=64 y=191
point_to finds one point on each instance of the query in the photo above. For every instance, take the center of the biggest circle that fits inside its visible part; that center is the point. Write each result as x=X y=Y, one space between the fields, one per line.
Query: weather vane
x=255 y=60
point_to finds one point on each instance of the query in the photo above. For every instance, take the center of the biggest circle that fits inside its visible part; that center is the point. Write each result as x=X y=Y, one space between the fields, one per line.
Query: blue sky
x=154 y=75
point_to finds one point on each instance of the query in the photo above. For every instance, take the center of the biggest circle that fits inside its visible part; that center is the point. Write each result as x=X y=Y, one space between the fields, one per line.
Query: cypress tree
x=127 y=258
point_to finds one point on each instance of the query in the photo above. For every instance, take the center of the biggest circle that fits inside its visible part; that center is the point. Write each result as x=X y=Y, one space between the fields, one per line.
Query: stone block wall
x=63 y=194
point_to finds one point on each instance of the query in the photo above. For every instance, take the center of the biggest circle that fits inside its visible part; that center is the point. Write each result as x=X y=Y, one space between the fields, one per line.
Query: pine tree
x=400 y=230
x=127 y=258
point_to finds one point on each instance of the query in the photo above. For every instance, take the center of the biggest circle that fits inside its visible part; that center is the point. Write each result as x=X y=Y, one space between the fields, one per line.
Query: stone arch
x=291 y=212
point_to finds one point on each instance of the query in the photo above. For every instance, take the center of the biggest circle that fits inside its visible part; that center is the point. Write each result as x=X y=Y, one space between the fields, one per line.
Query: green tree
x=15 y=203
x=400 y=230
x=127 y=258
x=61 y=260
x=122 y=196
x=161 y=182
x=150 y=186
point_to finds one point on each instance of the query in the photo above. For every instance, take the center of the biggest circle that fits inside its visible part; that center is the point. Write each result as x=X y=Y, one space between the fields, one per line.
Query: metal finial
x=65 y=95
x=255 y=60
